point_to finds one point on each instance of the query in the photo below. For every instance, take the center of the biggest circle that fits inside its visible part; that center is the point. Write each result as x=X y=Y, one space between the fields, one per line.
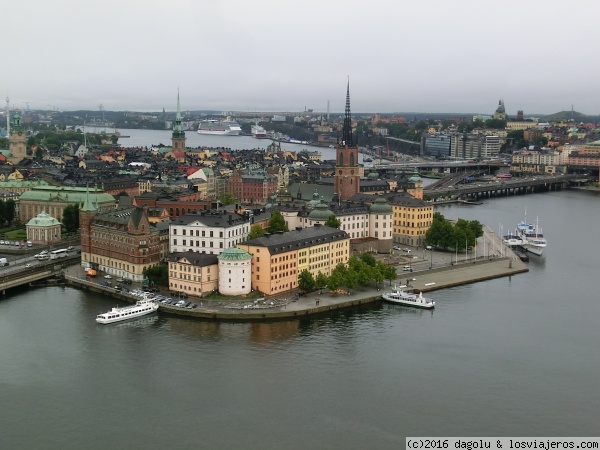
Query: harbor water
x=514 y=356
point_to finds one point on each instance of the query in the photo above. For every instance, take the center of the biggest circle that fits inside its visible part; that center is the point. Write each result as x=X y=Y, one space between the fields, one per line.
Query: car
x=2 y=242
x=27 y=266
x=108 y=277
x=397 y=248
x=120 y=280
x=415 y=257
x=407 y=269
x=429 y=247
x=44 y=252
x=70 y=248
x=117 y=288
x=17 y=244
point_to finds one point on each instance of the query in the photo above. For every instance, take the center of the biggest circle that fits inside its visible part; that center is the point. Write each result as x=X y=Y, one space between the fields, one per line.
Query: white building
x=208 y=232
x=235 y=268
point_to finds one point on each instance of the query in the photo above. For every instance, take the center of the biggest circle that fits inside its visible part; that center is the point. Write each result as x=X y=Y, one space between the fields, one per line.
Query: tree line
x=460 y=235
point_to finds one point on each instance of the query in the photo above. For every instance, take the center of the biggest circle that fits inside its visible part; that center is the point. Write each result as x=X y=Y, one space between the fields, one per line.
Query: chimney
x=230 y=219
x=267 y=235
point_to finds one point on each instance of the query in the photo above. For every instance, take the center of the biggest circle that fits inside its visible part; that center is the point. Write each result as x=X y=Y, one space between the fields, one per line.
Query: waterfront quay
x=323 y=301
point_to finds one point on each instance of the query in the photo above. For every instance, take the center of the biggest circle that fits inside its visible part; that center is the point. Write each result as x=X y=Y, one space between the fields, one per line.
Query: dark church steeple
x=346 y=179
x=178 y=135
x=347 y=128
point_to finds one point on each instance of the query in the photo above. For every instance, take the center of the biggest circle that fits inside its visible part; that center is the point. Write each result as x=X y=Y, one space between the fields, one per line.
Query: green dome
x=415 y=178
x=373 y=176
x=320 y=213
x=234 y=254
x=43 y=219
x=380 y=206
x=315 y=200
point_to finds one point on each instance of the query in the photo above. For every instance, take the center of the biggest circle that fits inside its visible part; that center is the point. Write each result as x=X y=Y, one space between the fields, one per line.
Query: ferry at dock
x=399 y=297
x=141 y=308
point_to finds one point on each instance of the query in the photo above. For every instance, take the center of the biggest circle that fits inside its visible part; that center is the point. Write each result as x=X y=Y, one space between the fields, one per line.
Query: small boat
x=532 y=237
x=399 y=297
x=141 y=308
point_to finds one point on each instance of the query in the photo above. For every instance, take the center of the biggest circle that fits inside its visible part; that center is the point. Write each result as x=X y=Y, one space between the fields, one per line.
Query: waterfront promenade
x=319 y=302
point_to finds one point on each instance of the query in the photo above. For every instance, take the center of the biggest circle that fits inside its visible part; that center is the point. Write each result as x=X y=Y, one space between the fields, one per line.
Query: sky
x=444 y=56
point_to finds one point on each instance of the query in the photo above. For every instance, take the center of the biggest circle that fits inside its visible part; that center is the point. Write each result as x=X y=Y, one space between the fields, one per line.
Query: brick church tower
x=346 y=178
x=178 y=135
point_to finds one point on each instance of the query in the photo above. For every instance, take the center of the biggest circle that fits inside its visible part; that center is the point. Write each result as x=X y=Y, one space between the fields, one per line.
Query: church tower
x=17 y=140
x=178 y=135
x=346 y=178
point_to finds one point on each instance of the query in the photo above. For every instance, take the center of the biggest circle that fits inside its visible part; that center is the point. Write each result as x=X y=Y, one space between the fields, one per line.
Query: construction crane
x=27 y=103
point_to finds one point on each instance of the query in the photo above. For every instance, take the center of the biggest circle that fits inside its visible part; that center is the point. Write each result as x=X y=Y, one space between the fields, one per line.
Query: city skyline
x=432 y=56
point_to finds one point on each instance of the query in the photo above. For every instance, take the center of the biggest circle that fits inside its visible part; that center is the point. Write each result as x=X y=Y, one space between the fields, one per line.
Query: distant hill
x=568 y=115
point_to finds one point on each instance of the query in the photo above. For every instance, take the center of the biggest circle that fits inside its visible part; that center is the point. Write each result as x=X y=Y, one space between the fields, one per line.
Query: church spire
x=178 y=134
x=347 y=128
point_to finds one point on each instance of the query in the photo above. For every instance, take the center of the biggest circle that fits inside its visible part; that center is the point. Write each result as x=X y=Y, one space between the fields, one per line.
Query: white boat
x=531 y=236
x=219 y=127
x=258 y=132
x=141 y=308
x=399 y=297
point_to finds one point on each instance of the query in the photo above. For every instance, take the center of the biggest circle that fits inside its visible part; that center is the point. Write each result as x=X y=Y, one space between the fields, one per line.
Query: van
x=429 y=247
x=3 y=262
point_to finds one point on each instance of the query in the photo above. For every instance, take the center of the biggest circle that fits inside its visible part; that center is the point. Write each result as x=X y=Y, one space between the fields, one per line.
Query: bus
x=59 y=253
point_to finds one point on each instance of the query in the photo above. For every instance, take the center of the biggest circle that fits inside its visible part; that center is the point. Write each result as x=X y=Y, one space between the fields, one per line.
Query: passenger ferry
x=141 y=308
x=399 y=297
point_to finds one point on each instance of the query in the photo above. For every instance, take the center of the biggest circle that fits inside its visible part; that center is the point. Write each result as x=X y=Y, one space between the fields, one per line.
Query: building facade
x=347 y=177
x=193 y=273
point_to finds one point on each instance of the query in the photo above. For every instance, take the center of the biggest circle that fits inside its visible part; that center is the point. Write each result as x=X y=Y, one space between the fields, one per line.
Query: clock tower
x=346 y=178
x=17 y=140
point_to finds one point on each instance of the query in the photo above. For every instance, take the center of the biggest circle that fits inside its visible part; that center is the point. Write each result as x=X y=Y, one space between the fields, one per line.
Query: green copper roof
x=67 y=194
x=380 y=206
x=43 y=219
x=321 y=212
x=234 y=254
x=415 y=178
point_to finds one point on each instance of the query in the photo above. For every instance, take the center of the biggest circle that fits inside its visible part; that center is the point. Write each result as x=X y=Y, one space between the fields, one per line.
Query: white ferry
x=532 y=237
x=399 y=297
x=219 y=127
x=141 y=308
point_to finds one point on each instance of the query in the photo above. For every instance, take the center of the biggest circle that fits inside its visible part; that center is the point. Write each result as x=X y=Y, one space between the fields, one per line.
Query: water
x=513 y=356
x=148 y=138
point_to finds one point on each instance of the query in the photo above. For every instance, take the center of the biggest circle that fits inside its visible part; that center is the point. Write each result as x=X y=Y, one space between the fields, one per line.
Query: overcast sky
x=288 y=55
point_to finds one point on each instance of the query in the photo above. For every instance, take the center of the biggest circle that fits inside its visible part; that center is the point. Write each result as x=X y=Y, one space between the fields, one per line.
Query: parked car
x=27 y=266
x=120 y=280
x=397 y=248
x=107 y=277
x=70 y=248
x=407 y=269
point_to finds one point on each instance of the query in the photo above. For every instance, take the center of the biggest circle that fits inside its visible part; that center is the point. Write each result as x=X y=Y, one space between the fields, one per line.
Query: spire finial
x=347 y=128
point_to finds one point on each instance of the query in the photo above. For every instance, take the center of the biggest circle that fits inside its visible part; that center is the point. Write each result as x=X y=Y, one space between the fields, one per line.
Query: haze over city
x=268 y=55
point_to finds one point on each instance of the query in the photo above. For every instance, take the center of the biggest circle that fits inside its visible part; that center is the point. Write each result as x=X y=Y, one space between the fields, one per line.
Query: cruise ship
x=259 y=132
x=141 y=308
x=219 y=127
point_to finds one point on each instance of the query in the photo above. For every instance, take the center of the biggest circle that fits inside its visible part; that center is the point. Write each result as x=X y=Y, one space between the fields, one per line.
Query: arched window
x=351 y=159
x=341 y=159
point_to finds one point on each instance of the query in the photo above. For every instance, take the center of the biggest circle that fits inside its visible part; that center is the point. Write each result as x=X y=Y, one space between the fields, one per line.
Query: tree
x=256 y=231
x=11 y=209
x=321 y=281
x=306 y=281
x=333 y=222
x=389 y=273
x=39 y=153
x=159 y=275
x=379 y=272
x=369 y=259
x=123 y=194
x=70 y=218
x=3 y=212
x=227 y=199
x=277 y=223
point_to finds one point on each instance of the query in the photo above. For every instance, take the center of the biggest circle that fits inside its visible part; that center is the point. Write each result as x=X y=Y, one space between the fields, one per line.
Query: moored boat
x=399 y=297
x=141 y=308
x=258 y=132
x=532 y=238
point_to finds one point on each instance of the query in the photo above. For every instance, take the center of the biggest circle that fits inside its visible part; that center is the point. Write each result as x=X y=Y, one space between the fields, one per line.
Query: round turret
x=235 y=267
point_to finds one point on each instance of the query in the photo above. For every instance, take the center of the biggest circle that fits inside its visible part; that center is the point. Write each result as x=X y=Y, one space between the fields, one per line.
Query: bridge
x=15 y=276
x=481 y=189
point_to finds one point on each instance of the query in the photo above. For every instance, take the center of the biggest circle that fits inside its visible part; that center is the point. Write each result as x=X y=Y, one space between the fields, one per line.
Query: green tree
x=379 y=272
x=333 y=222
x=3 y=215
x=70 y=218
x=227 y=199
x=11 y=210
x=256 y=231
x=39 y=153
x=306 y=281
x=363 y=272
x=158 y=275
x=321 y=281
x=277 y=222
x=389 y=273
x=369 y=259
x=440 y=232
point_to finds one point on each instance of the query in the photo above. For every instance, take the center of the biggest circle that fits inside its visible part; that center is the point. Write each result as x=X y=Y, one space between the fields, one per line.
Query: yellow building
x=278 y=259
x=193 y=273
x=412 y=218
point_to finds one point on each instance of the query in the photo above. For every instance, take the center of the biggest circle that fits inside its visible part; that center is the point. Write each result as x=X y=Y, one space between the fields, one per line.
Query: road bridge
x=15 y=276
x=477 y=190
